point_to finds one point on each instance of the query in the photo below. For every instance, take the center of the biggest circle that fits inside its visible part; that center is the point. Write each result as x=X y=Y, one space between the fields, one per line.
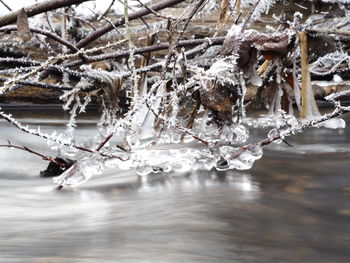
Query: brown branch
x=103 y=142
x=137 y=14
x=38 y=9
x=42 y=85
x=147 y=49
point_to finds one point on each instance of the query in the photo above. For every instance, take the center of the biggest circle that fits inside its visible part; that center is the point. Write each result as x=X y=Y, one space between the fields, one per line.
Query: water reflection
x=241 y=183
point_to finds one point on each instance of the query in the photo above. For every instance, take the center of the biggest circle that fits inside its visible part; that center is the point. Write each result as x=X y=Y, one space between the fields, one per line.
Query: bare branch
x=45 y=33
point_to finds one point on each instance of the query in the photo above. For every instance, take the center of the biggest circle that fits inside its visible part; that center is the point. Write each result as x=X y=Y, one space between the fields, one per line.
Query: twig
x=4 y=4
x=103 y=142
x=45 y=33
x=106 y=11
x=249 y=16
x=329 y=31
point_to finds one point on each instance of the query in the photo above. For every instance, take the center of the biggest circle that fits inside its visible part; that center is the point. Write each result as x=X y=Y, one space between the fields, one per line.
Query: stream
x=292 y=206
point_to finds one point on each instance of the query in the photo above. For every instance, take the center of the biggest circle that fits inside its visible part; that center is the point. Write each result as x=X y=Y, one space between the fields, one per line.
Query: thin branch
x=51 y=60
x=329 y=31
x=137 y=14
x=4 y=4
x=103 y=142
x=249 y=16
x=106 y=11
x=45 y=33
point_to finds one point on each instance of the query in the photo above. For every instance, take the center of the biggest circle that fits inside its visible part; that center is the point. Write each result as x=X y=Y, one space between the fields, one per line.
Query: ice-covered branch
x=43 y=85
x=53 y=137
x=45 y=33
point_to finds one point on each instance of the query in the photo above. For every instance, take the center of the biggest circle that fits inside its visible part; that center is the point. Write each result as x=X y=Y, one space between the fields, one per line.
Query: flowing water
x=292 y=206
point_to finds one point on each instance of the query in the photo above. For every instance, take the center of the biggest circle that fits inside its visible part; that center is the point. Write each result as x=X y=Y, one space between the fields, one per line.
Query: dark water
x=292 y=206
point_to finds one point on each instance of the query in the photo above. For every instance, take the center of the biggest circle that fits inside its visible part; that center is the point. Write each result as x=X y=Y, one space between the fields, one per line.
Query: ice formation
x=81 y=171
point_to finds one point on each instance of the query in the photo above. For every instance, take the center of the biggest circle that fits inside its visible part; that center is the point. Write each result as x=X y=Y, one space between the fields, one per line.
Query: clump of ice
x=239 y=159
x=335 y=123
x=81 y=171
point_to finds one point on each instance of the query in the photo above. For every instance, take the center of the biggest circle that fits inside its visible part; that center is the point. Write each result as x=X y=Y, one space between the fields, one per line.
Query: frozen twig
x=7 y=86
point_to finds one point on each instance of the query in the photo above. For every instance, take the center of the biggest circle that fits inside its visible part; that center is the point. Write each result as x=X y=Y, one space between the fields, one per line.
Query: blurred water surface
x=292 y=206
